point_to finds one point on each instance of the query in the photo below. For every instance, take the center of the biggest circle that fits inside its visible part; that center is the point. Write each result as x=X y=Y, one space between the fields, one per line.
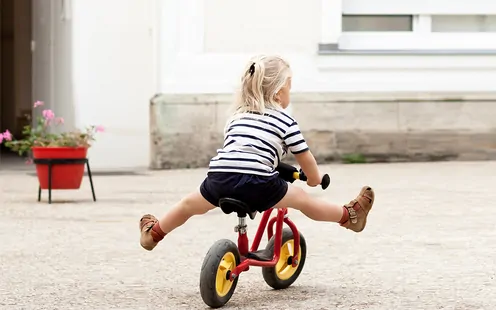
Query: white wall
x=254 y=26
x=123 y=52
x=95 y=64
x=114 y=79
x=206 y=46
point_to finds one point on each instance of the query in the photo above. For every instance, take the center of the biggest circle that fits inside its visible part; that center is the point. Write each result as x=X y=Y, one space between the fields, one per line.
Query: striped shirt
x=256 y=143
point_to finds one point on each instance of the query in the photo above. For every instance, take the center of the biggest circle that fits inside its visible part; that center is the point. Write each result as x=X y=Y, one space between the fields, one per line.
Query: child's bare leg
x=152 y=230
x=352 y=215
x=193 y=204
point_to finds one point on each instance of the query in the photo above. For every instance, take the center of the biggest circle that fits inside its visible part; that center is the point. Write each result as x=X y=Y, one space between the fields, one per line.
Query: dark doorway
x=15 y=67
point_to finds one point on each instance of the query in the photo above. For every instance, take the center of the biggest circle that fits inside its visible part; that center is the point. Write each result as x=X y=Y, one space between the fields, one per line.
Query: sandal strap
x=145 y=221
x=353 y=217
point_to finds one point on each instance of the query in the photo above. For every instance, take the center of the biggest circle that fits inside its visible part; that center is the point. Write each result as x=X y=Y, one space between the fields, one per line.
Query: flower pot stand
x=62 y=161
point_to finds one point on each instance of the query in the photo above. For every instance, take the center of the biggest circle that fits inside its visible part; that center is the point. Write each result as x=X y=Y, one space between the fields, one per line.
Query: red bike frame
x=279 y=220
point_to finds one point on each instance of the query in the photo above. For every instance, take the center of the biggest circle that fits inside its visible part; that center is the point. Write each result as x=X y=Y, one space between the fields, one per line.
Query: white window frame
x=419 y=39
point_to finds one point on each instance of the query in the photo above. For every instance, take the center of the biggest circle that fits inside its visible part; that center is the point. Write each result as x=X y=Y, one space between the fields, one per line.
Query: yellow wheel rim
x=283 y=270
x=222 y=284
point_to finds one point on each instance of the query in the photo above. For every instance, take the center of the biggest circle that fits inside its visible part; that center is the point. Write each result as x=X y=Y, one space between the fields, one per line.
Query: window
x=409 y=25
x=363 y=23
x=463 y=23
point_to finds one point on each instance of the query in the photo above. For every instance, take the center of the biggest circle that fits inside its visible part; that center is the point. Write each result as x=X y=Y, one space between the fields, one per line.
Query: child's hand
x=312 y=182
x=309 y=166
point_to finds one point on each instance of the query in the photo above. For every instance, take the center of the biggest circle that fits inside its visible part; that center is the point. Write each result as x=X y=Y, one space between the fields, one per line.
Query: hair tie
x=252 y=69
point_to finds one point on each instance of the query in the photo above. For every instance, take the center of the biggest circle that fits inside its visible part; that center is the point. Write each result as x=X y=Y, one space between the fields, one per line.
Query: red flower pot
x=66 y=176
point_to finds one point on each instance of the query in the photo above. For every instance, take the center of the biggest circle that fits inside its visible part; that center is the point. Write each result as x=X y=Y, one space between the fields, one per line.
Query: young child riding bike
x=257 y=136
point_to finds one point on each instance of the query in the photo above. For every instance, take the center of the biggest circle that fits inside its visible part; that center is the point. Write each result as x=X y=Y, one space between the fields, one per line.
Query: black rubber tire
x=269 y=273
x=209 y=273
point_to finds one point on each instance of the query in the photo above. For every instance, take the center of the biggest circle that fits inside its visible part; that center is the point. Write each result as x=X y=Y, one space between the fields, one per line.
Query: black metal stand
x=62 y=161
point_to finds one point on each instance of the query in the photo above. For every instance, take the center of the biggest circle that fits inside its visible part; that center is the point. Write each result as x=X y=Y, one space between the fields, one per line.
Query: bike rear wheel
x=283 y=274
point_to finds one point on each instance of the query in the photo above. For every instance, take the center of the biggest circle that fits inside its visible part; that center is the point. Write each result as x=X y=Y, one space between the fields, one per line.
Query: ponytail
x=263 y=77
x=254 y=96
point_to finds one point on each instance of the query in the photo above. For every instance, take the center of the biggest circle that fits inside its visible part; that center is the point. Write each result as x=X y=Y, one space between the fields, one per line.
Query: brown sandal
x=145 y=225
x=358 y=209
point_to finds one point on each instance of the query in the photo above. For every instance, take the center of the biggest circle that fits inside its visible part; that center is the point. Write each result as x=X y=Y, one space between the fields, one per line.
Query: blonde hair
x=263 y=77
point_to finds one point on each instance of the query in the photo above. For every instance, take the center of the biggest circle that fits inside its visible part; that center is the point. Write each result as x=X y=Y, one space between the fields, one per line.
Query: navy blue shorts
x=259 y=192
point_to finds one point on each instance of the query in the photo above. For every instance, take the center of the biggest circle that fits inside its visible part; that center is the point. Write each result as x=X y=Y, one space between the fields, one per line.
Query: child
x=256 y=138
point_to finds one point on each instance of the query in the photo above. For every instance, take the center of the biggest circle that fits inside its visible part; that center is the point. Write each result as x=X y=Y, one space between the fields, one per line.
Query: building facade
x=384 y=78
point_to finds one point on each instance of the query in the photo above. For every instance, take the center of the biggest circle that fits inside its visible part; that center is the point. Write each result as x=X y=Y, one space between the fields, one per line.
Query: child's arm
x=297 y=145
x=309 y=166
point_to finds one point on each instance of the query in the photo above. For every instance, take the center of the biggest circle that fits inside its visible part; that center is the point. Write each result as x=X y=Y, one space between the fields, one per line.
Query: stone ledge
x=185 y=151
x=187 y=130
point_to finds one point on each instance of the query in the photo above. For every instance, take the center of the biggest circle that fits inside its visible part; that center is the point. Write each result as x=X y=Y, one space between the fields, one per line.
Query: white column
x=181 y=43
x=155 y=13
x=191 y=26
x=330 y=21
x=113 y=78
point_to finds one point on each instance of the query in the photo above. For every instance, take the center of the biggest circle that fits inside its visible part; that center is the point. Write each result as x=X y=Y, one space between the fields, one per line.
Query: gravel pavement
x=430 y=243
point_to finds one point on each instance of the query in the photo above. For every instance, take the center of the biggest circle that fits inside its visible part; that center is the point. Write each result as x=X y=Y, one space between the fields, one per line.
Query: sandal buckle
x=352 y=213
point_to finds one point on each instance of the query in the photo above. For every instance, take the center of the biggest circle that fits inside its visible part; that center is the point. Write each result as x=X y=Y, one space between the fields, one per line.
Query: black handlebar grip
x=303 y=177
x=326 y=181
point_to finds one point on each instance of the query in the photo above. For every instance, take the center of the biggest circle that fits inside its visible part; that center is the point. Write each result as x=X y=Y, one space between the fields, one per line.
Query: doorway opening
x=15 y=70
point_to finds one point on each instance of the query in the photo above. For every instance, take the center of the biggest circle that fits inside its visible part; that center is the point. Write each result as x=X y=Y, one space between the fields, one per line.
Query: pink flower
x=7 y=135
x=1 y=139
x=29 y=161
x=59 y=120
x=38 y=103
x=48 y=114
x=99 y=128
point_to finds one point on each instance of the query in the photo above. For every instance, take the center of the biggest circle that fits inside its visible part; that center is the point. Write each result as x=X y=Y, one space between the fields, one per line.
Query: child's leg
x=352 y=215
x=152 y=230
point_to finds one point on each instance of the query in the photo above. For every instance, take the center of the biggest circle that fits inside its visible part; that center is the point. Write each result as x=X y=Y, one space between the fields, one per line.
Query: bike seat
x=230 y=205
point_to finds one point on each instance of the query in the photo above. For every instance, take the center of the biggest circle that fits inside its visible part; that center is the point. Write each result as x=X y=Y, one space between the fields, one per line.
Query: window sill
x=400 y=60
x=324 y=51
x=404 y=43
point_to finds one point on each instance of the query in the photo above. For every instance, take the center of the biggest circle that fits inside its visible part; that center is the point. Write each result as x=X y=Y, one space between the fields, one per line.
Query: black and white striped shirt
x=255 y=143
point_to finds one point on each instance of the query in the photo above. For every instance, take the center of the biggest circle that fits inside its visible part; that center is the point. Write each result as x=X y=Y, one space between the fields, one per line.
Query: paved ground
x=430 y=244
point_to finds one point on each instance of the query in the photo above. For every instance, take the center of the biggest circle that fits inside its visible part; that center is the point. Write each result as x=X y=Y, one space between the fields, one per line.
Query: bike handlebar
x=326 y=179
x=290 y=174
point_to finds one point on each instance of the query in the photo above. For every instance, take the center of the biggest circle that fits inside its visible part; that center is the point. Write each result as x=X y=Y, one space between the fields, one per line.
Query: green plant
x=40 y=134
x=354 y=158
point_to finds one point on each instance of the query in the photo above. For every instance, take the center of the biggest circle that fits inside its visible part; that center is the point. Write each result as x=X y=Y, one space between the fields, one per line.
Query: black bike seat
x=229 y=205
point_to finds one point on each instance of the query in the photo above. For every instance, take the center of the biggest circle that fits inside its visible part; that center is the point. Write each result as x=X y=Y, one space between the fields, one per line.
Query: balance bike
x=282 y=260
